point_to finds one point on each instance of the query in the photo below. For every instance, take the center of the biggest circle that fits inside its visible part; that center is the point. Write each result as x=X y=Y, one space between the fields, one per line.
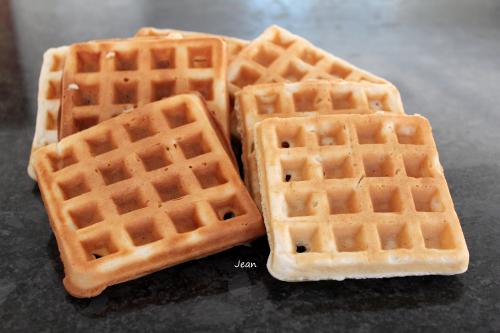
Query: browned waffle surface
x=374 y=204
x=234 y=45
x=256 y=103
x=104 y=78
x=278 y=55
x=143 y=191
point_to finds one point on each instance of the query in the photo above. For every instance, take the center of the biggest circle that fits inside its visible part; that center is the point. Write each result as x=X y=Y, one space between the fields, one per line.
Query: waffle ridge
x=376 y=204
x=234 y=45
x=143 y=191
x=259 y=102
x=104 y=78
x=277 y=55
x=49 y=100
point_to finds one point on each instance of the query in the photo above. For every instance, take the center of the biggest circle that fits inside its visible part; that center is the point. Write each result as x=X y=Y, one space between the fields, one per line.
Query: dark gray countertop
x=443 y=55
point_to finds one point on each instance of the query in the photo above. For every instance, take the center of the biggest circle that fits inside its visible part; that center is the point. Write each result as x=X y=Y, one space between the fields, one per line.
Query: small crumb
x=58 y=149
x=436 y=205
x=175 y=35
x=407 y=130
x=110 y=54
x=393 y=259
x=292 y=88
x=310 y=128
x=388 y=127
x=327 y=141
x=73 y=86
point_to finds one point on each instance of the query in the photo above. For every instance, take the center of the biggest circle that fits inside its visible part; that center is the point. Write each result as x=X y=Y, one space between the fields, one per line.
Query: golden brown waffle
x=374 y=204
x=234 y=45
x=143 y=191
x=104 y=78
x=278 y=55
x=256 y=103
x=49 y=100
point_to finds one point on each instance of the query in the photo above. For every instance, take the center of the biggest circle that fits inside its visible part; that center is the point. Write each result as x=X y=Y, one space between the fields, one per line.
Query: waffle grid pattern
x=278 y=55
x=375 y=204
x=234 y=45
x=103 y=79
x=256 y=103
x=141 y=192
x=49 y=100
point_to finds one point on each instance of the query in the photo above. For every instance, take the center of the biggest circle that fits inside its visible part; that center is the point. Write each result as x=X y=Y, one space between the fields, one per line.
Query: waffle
x=278 y=55
x=49 y=100
x=234 y=45
x=104 y=78
x=143 y=191
x=376 y=204
x=255 y=103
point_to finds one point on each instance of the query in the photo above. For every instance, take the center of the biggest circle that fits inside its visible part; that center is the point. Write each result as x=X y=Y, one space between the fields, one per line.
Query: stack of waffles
x=132 y=159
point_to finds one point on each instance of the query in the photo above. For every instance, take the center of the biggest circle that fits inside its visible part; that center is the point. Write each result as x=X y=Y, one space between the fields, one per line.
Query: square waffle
x=104 y=78
x=234 y=45
x=49 y=100
x=145 y=190
x=256 y=103
x=374 y=204
x=278 y=55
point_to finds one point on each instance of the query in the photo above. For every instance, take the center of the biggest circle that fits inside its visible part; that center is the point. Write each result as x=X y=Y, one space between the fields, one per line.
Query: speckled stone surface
x=443 y=55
